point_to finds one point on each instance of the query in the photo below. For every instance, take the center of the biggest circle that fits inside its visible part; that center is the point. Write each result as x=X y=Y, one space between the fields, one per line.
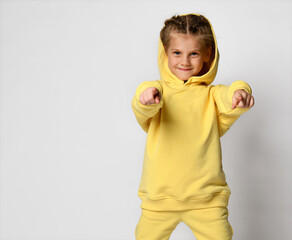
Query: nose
x=185 y=61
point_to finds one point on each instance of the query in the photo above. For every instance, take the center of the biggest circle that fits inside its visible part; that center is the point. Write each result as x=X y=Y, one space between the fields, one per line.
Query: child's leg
x=156 y=225
x=209 y=223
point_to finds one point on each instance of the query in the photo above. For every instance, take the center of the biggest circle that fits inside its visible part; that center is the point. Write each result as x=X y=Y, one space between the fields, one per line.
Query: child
x=184 y=117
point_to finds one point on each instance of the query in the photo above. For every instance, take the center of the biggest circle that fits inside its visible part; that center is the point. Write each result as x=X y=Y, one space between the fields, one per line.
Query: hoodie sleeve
x=222 y=95
x=144 y=113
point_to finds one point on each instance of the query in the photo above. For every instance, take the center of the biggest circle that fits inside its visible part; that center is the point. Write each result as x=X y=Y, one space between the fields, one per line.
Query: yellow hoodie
x=182 y=166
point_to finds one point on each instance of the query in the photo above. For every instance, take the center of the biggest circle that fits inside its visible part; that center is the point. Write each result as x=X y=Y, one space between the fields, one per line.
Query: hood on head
x=167 y=76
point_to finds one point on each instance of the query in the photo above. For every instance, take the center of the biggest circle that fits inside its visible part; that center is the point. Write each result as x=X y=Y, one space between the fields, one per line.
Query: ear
x=208 y=54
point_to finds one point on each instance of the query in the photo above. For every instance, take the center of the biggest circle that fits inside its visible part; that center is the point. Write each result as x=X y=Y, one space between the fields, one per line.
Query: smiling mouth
x=185 y=69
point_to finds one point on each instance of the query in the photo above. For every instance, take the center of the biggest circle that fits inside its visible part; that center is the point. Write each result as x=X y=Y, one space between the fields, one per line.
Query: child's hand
x=242 y=99
x=150 y=96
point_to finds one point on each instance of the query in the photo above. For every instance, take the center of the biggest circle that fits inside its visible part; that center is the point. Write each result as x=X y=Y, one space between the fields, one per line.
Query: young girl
x=184 y=117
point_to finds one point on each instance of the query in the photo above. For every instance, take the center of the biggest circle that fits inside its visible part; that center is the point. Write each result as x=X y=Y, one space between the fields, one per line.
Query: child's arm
x=231 y=101
x=147 y=102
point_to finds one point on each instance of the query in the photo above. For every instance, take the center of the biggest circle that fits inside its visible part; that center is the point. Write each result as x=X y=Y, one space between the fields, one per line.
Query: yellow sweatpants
x=206 y=224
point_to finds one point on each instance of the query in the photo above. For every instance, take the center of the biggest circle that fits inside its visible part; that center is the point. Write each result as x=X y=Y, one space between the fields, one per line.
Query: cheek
x=197 y=62
x=171 y=62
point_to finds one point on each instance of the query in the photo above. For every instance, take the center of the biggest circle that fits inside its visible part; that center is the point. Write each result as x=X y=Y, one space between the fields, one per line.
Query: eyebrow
x=175 y=49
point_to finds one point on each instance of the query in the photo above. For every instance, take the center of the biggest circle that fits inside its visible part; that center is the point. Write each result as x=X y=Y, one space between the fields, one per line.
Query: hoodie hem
x=173 y=204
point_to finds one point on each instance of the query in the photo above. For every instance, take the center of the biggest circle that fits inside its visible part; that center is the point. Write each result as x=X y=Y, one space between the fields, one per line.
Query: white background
x=71 y=149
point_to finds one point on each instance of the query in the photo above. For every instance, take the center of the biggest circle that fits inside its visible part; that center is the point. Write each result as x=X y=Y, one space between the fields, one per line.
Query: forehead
x=185 y=41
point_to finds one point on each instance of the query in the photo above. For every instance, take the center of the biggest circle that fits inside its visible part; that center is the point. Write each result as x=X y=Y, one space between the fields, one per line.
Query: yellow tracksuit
x=182 y=175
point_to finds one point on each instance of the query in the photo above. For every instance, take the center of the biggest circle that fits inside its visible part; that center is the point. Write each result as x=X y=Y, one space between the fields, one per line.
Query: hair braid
x=187 y=24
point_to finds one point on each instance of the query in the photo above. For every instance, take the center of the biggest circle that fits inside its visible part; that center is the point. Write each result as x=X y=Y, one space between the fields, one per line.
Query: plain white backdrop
x=71 y=149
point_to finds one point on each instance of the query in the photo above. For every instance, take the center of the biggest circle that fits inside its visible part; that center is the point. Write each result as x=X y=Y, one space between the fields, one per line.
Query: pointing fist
x=242 y=99
x=150 y=96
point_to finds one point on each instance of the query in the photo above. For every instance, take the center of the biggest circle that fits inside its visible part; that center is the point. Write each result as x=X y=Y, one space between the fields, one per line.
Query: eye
x=176 y=53
x=194 y=54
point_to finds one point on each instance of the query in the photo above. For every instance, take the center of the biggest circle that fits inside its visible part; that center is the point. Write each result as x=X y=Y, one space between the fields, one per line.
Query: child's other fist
x=242 y=99
x=150 y=96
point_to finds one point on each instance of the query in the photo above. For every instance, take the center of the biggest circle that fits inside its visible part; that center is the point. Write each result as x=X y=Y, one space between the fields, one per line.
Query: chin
x=183 y=79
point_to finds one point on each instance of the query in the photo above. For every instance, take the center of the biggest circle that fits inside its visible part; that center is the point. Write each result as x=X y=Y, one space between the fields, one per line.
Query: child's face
x=186 y=55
